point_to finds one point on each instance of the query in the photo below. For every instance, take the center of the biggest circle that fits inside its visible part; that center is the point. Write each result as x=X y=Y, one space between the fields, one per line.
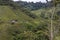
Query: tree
x=5 y=2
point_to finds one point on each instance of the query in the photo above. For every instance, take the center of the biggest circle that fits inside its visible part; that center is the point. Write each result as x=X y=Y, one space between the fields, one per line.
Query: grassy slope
x=7 y=14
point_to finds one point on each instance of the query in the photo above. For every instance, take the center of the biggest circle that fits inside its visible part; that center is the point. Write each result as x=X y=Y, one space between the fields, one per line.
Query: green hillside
x=7 y=13
x=15 y=20
x=11 y=18
x=20 y=23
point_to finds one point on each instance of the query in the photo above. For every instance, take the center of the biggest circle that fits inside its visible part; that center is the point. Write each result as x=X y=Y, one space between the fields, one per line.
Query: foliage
x=19 y=23
x=34 y=6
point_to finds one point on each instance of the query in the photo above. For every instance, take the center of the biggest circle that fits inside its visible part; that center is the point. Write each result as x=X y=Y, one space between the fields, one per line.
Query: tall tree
x=51 y=21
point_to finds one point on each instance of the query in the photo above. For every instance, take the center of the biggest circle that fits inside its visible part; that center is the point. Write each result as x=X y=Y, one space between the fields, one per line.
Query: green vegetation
x=19 y=23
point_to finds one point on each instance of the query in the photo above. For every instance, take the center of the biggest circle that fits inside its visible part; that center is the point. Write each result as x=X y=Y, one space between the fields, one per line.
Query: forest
x=29 y=21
